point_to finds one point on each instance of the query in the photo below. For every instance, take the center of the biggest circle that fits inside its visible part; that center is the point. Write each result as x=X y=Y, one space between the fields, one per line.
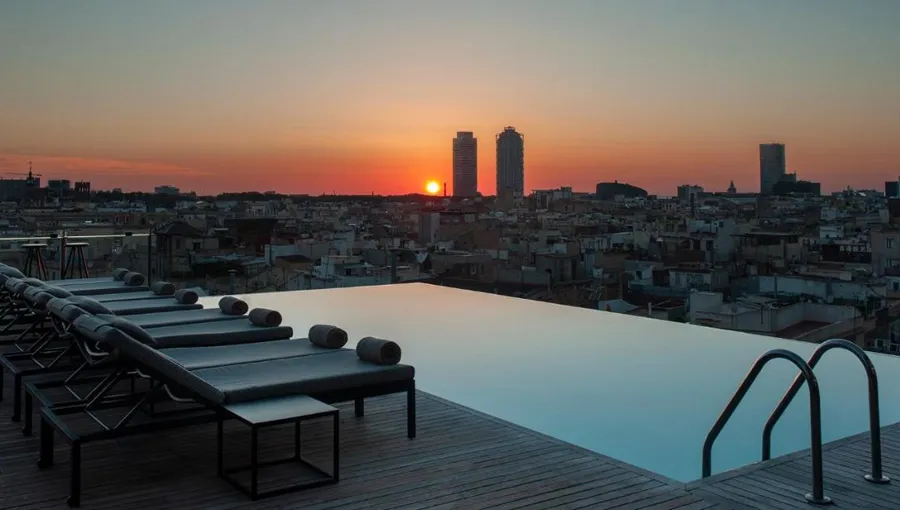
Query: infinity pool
x=640 y=390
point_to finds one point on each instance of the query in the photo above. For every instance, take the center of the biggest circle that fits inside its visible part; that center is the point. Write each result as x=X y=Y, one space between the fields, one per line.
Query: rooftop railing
x=102 y=253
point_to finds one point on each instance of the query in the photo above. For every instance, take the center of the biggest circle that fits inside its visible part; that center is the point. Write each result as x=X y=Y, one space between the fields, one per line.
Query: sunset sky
x=360 y=96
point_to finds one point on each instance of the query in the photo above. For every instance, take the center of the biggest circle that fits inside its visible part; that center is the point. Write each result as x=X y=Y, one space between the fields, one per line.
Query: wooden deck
x=460 y=459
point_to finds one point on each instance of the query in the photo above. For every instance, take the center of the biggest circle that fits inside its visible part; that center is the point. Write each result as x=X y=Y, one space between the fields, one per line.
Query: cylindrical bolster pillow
x=72 y=312
x=162 y=288
x=133 y=279
x=231 y=305
x=378 y=351
x=43 y=298
x=32 y=292
x=119 y=274
x=265 y=317
x=42 y=295
x=34 y=281
x=17 y=286
x=185 y=296
x=129 y=328
x=11 y=271
x=330 y=337
x=89 y=305
x=56 y=291
x=11 y=283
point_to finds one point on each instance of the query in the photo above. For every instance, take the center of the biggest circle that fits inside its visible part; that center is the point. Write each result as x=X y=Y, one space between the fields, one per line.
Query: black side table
x=276 y=411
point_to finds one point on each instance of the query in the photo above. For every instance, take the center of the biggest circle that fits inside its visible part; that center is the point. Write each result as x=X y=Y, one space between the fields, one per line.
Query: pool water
x=640 y=390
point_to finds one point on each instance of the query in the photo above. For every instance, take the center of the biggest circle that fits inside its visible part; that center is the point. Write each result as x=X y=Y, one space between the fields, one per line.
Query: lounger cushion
x=178 y=317
x=154 y=305
x=217 y=333
x=306 y=375
x=105 y=286
x=194 y=358
x=58 y=306
x=128 y=296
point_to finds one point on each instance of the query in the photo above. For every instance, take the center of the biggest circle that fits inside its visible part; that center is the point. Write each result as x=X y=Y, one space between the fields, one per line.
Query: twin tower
x=510 y=163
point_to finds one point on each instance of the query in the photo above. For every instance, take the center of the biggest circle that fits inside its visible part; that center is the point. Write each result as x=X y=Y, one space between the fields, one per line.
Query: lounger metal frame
x=22 y=313
x=61 y=356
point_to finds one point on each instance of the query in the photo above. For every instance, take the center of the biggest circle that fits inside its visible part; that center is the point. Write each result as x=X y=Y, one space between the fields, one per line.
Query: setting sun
x=432 y=187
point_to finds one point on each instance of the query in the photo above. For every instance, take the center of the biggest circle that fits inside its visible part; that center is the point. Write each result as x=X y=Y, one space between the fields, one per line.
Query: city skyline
x=311 y=98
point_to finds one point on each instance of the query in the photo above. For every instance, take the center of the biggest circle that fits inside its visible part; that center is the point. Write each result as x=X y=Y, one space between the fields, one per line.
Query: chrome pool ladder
x=817 y=496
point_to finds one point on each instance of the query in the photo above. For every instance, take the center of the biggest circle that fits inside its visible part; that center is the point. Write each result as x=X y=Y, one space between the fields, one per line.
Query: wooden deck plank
x=783 y=483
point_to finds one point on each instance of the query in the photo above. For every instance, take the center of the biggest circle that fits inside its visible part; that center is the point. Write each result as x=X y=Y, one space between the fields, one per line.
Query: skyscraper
x=510 y=161
x=465 y=164
x=772 y=166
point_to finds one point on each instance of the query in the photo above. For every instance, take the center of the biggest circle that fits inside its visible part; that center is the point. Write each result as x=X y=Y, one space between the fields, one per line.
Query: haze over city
x=363 y=96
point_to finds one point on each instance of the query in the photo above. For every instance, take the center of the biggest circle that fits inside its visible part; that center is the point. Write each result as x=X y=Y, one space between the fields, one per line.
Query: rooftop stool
x=34 y=260
x=76 y=258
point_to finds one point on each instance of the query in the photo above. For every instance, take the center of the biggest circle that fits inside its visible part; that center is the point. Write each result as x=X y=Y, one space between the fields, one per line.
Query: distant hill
x=609 y=190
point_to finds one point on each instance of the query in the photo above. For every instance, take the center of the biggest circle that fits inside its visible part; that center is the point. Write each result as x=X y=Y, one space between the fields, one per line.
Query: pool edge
x=525 y=430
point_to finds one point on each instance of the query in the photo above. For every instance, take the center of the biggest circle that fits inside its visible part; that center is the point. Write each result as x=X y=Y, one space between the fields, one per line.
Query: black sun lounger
x=18 y=286
x=68 y=313
x=62 y=311
x=117 y=275
x=225 y=352
x=338 y=376
x=13 y=284
x=130 y=283
x=219 y=341
x=35 y=298
x=33 y=294
x=46 y=355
